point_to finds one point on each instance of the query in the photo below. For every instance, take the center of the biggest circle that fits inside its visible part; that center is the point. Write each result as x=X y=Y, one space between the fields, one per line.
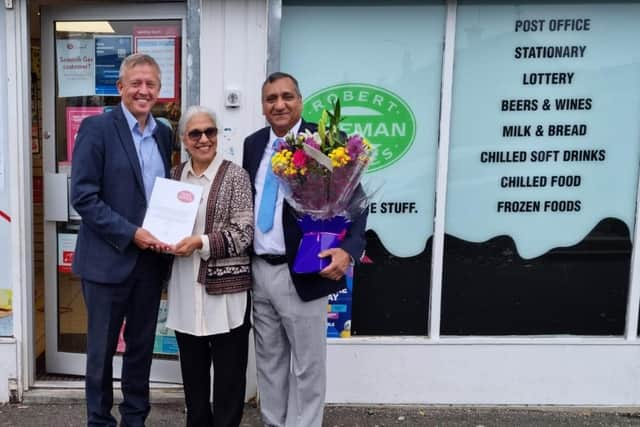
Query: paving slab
x=171 y=413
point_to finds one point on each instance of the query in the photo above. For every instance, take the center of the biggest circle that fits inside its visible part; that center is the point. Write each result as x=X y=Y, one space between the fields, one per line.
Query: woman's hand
x=186 y=246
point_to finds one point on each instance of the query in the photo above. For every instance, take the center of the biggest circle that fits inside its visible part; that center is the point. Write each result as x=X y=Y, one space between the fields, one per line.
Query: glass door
x=82 y=48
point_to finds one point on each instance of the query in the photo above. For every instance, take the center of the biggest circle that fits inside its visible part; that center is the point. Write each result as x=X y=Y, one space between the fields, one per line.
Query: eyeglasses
x=196 y=134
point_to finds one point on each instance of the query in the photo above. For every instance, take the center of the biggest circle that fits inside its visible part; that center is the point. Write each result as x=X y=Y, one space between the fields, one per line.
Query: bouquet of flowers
x=320 y=173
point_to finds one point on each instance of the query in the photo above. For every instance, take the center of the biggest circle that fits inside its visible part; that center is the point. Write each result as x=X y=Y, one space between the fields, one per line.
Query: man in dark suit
x=290 y=310
x=116 y=159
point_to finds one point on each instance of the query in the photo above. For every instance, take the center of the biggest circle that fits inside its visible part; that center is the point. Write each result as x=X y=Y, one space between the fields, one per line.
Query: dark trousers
x=108 y=304
x=228 y=352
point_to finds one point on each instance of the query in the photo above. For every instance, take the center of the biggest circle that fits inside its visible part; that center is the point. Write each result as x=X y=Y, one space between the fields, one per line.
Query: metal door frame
x=74 y=363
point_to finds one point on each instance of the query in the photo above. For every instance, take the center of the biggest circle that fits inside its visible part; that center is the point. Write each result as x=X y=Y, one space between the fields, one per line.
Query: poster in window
x=110 y=51
x=543 y=169
x=66 y=250
x=388 y=83
x=162 y=43
x=74 y=117
x=75 y=66
x=6 y=313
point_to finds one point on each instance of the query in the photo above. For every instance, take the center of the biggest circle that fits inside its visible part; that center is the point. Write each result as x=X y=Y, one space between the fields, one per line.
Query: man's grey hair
x=138 y=59
x=190 y=113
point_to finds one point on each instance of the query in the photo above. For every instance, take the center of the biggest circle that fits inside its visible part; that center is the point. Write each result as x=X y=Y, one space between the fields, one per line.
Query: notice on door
x=110 y=52
x=161 y=44
x=75 y=63
x=66 y=250
x=75 y=116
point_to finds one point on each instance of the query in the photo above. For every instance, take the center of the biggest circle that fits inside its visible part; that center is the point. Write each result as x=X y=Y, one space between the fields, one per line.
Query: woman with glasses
x=208 y=297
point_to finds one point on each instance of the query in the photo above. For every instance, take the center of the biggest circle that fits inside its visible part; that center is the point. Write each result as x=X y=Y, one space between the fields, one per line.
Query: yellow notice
x=5 y=299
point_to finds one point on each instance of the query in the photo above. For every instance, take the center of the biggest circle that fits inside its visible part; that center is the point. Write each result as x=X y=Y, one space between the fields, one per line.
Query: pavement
x=55 y=407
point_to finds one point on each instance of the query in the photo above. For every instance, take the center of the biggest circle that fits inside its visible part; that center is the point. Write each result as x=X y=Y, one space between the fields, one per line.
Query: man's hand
x=186 y=246
x=340 y=261
x=145 y=240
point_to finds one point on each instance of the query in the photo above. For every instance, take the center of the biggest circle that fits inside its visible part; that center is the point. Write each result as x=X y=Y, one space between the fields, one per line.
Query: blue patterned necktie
x=269 y=195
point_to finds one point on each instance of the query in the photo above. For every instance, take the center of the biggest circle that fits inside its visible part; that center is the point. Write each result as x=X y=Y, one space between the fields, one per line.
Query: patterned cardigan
x=229 y=226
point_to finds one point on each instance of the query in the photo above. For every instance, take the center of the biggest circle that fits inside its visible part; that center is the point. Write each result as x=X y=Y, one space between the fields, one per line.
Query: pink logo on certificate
x=186 y=196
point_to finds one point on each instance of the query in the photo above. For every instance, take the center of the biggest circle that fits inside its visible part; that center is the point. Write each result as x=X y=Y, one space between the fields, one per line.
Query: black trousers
x=228 y=352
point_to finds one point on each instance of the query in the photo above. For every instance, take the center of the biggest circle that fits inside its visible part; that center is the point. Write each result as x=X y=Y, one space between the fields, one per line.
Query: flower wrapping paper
x=320 y=173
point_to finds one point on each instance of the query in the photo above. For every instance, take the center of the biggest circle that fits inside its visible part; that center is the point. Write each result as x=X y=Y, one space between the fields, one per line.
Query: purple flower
x=310 y=140
x=354 y=146
x=281 y=144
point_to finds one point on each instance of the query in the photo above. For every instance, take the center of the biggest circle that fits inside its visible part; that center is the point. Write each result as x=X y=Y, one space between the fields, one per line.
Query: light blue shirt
x=149 y=157
x=271 y=242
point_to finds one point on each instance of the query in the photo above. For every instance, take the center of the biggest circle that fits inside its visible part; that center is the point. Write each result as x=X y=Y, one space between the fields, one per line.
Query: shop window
x=383 y=60
x=543 y=168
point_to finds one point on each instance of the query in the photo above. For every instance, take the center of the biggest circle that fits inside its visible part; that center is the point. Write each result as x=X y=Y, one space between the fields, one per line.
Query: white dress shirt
x=271 y=242
x=190 y=309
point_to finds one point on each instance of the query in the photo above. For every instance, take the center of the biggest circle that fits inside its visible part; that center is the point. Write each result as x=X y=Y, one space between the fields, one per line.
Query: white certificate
x=172 y=210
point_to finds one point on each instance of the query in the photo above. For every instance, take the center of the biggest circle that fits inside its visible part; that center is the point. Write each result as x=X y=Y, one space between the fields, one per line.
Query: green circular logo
x=379 y=115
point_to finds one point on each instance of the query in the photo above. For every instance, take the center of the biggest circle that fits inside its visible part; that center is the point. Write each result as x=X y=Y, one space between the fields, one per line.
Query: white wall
x=8 y=367
x=524 y=371
x=233 y=46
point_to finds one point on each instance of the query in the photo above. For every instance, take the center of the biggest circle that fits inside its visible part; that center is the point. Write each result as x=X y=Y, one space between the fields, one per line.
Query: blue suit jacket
x=108 y=192
x=308 y=286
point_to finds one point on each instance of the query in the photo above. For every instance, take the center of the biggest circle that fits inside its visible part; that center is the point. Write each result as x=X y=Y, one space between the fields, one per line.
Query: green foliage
x=330 y=133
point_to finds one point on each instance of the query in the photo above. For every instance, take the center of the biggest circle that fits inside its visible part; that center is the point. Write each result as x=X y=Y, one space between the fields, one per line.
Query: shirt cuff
x=205 y=252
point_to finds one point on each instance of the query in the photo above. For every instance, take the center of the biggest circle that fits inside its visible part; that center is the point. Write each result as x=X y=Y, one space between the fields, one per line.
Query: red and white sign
x=66 y=250
x=75 y=116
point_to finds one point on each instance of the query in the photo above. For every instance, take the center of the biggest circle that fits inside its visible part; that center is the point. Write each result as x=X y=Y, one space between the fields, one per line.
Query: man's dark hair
x=280 y=75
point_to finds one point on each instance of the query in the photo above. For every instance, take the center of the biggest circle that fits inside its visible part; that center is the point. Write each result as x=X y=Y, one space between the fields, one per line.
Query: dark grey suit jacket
x=108 y=192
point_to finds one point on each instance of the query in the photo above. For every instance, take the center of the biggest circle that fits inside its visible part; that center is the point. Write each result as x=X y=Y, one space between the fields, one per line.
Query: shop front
x=500 y=256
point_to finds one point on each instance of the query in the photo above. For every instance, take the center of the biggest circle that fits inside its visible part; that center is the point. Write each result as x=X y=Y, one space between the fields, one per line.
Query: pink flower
x=299 y=159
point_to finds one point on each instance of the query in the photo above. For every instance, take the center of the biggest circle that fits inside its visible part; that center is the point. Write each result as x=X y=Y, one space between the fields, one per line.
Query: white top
x=190 y=309
x=271 y=242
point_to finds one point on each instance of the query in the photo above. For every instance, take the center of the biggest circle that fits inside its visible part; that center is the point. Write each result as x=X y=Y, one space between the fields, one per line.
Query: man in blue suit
x=290 y=310
x=116 y=159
